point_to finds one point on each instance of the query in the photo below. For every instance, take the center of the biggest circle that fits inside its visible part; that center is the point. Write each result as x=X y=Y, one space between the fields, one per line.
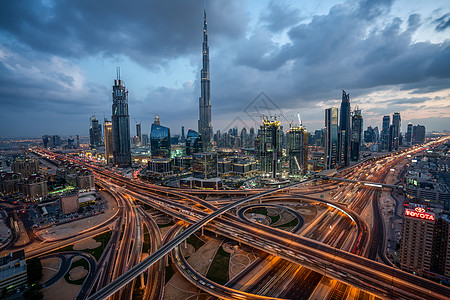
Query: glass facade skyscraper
x=331 y=137
x=194 y=142
x=356 y=138
x=385 y=133
x=160 y=141
x=345 y=130
x=95 y=133
x=120 y=125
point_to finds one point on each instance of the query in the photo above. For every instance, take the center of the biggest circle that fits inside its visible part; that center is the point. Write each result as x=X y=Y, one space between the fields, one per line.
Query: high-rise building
x=46 y=141
x=416 y=239
x=120 y=124
x=409 y=132
x=345 y=130
x=297 y=150
x=244 y=137
x=107 y=130
x=95 y=133
x=183 y=137
x=160 y=141
x=418 y=134
x=440 y=257
x=145 y=140
x=55 y=141
x=204 y=165
x=251 y=138
x=385 y=133
x=139 y=134
x=270 y=147
x=395 y=138
x=193 y=142
x=204 y=123
x=356 y=138
x=331 y=137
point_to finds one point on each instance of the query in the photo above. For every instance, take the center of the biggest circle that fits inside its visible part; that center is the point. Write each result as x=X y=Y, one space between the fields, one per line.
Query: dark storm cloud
x=442 y=22
x=355 y=46
x=346 y=49
x=149 y=32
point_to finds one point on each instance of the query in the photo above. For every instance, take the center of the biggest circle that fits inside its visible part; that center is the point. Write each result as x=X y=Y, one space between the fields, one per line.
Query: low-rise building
x=13 y=271
x=35 y=187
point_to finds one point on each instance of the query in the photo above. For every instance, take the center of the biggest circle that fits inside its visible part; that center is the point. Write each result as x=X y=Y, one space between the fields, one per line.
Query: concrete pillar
x=203 y=231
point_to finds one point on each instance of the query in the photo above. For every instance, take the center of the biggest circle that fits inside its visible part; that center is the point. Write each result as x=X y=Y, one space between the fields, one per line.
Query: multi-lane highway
x=349 y=198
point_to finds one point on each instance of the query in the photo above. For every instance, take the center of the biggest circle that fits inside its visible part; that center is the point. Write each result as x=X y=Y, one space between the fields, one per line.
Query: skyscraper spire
x=204 y=123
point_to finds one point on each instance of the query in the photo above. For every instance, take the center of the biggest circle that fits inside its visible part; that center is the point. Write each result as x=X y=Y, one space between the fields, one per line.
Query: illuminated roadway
x=355 y=270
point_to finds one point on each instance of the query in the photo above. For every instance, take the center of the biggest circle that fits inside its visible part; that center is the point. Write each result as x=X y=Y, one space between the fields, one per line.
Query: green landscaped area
x=82 y=262
x=218 y=271
x=292 y=223
x=195 y=241
x=66 y=189
x=263 y=211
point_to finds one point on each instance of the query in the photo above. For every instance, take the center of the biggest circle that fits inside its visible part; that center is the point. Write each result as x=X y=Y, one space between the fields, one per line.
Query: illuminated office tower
x=331 y=137
x=204 y=123
x=120 y=124
x=270 y=142
x=107 y=131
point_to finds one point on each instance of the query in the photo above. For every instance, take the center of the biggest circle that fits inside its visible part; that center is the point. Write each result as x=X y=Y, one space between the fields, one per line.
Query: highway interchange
x=347 y=253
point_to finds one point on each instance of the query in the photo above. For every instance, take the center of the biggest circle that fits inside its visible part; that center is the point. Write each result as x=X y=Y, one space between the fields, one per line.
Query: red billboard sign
x=419 y=213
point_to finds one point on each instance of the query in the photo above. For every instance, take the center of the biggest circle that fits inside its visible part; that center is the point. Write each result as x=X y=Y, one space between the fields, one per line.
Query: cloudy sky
x=58 y=61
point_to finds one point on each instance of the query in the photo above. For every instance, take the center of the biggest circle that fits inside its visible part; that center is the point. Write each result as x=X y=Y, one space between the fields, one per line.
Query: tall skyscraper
x=139 y=134
x=356 y=138
x=396 y=123
x=331 y=137
x=160 y=141
x=95 y=133
x=120 y=124
x=297 y=150
x=270 y=147
x=409 y=133
x=194 y=142
x=385 y=133
x=183 y=137
x=204 y=123
x=345 y=130
x=418 y=134
x=107 y=131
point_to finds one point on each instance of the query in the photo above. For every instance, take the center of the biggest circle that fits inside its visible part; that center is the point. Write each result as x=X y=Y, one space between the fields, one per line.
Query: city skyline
x=395 y=59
